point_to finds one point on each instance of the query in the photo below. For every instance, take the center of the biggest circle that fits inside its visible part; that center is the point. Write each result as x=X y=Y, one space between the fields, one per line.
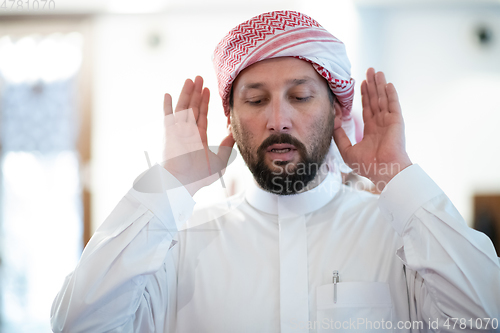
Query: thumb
x=342 y=141
x=226 y=148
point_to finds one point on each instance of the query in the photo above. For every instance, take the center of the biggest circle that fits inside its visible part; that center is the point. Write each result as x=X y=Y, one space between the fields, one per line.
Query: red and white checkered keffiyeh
x=287 y=34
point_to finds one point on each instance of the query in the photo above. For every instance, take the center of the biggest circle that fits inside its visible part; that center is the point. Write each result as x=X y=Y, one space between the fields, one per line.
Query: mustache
x=281 y=138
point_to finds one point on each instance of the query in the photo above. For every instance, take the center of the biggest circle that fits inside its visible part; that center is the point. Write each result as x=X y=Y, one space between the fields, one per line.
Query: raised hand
x=185 y=154
x=381 y=154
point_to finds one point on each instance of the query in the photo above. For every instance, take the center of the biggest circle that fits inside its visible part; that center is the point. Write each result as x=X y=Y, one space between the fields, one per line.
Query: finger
x=190 y=117
x=372 y=90
x=382 y=93
x=365 y=102
x=342 y=141
x=393 y=99
x=185 y=96
x=202 y=117
x=167 y=104
x=167 y=110
x=226 y=148
x=196 y=95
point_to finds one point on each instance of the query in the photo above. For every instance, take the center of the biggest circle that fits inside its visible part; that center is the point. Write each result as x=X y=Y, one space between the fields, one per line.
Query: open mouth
x=279 y=151
x=281 y=148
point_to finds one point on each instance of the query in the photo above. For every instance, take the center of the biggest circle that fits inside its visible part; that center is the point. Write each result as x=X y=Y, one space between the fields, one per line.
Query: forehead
x=279 y=71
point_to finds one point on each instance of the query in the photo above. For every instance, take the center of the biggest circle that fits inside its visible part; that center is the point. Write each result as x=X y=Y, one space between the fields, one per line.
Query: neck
x=320 y=176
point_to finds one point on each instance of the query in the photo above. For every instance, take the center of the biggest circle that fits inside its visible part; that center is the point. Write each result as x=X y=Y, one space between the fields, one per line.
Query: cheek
x=242 y=135
x=248 y=129
x=320 y=130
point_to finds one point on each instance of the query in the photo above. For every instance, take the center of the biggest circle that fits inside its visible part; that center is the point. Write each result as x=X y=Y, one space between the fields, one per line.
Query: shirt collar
x=293 y=205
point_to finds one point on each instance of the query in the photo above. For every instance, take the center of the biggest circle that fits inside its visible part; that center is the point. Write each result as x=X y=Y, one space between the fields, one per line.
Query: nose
x=279 y=116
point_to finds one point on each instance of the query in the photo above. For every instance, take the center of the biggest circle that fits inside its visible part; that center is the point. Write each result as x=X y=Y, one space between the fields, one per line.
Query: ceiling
x=160 y=6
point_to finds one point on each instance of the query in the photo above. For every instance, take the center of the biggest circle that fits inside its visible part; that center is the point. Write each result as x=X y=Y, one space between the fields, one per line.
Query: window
x=41 y=206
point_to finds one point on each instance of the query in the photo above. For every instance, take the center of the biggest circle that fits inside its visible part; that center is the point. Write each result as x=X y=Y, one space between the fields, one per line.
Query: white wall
x=448 y=86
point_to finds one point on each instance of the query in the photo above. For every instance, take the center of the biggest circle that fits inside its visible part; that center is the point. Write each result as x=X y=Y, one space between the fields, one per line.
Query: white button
x=181 y=217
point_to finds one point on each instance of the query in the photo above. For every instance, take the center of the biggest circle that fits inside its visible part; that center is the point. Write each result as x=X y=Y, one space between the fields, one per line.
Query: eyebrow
x=296 y=82
x=292 y=82
x=256 y=85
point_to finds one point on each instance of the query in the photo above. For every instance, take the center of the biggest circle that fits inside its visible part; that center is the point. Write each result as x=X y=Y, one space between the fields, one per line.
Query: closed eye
x=302 y=99
x=256 y=100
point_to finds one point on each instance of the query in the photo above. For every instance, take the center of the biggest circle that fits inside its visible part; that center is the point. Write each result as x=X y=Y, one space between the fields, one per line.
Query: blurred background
x=81 y=92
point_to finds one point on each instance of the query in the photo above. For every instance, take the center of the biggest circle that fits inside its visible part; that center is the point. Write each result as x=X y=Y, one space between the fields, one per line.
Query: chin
x=280 y=164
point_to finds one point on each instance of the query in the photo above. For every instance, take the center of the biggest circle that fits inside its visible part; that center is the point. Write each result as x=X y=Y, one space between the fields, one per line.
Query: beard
x=285 y=177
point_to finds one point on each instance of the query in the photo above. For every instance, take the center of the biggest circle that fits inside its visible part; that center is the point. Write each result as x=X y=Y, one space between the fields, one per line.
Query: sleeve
x=118 y=284
x=453 y=273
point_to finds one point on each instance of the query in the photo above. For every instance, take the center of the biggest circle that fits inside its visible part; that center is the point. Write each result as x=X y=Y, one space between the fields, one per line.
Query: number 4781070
x=478 y=323
x=27 y=5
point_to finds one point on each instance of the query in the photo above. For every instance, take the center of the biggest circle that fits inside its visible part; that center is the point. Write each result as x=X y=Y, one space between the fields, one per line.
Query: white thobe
x=264 y=263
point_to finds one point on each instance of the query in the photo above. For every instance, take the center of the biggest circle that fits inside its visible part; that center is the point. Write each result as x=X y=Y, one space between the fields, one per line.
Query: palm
x=381 y=153
x=186 y=154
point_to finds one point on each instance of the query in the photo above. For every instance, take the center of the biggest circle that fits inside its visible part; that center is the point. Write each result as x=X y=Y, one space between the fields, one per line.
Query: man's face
x=282 y=121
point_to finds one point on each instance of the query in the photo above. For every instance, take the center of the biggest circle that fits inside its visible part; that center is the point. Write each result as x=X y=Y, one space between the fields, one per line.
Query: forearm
x=459 y=270
x=458 y=264
x=108 y=286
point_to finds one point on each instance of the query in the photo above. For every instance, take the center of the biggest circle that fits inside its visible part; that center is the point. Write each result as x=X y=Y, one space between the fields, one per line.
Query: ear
x=338 y=115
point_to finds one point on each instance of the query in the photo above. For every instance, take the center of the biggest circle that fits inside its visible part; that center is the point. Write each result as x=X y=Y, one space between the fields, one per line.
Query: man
x=298 y=251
